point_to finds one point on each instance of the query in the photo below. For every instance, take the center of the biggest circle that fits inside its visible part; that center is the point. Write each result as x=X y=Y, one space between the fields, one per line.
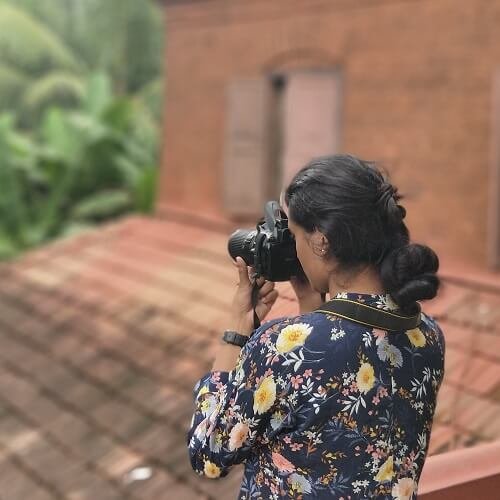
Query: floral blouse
x=322 y=407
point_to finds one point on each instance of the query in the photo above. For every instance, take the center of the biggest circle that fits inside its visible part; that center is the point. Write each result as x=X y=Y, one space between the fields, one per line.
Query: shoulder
x=430 y=323
x=285 y=335
x=299 y=321
x=433 y=331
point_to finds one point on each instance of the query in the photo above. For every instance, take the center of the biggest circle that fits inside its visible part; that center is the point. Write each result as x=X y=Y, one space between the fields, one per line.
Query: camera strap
x=369 y=315
x=255 y=299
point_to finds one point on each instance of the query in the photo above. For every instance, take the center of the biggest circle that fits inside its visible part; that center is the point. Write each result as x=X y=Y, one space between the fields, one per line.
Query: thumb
x=242 y=271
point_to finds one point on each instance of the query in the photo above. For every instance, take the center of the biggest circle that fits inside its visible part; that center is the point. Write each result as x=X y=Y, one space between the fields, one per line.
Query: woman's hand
x=308 y=298
x=242 y=309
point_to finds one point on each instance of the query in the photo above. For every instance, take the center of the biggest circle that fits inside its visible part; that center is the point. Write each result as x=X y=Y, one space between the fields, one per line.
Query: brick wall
x=417 y=84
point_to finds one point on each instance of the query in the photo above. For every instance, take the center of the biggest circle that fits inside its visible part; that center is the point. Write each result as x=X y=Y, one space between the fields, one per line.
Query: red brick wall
x=417 y=82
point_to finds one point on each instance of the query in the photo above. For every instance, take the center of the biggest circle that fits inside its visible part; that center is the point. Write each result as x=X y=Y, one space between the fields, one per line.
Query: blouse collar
x=380 y=301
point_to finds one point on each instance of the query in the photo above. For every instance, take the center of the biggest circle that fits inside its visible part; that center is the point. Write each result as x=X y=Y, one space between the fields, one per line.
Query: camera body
x=270 y=248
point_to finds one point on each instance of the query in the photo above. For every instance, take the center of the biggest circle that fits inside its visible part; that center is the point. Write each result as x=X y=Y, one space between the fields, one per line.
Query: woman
x=315 y=405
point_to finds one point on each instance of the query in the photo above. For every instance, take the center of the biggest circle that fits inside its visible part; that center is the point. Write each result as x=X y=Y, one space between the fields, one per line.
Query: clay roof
x=102 y=337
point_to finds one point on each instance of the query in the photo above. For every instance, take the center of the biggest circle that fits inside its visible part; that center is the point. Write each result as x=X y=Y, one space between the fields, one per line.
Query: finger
x=261 y=280
x=266 y=288
x=270 y=297
x=251 y=273
x=242 y=271
x=265 y=305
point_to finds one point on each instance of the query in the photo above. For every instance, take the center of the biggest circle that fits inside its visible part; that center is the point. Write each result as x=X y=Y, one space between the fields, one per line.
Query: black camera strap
x=369 y=315
x=255 y=299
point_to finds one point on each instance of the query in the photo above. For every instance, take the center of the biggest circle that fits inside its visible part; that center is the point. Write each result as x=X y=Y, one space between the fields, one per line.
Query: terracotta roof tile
x=102 y=337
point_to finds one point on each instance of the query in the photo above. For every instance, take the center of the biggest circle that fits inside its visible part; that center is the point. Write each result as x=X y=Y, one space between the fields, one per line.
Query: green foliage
x=29 y=45
x=12 y=85
x=80 y=167
x=81 y=91
x=52 y=44
x=101 y=205
x=64 y=88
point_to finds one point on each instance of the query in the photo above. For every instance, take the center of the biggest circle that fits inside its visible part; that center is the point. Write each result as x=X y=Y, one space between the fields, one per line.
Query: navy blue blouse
x=322 y=407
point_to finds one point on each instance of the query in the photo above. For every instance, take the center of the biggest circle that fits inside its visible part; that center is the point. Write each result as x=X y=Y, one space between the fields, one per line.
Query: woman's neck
x=367 y=281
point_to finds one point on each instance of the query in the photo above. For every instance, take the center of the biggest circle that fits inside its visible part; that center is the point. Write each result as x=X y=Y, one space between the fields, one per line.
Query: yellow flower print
x=386 y=471
x=416 y=337
x=211 y=470
x=292 y=336
x=365 y=377
x=203 y=390
x=265 y=395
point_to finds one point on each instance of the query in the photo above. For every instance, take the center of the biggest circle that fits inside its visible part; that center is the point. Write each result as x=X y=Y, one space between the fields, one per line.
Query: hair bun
x=408 y=274
x=388 y=197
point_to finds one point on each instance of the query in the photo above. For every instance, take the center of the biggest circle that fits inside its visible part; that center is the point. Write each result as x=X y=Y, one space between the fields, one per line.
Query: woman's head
x=345 y=217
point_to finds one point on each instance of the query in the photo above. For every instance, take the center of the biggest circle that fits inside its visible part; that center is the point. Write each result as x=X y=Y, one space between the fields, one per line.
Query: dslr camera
x=270 y=248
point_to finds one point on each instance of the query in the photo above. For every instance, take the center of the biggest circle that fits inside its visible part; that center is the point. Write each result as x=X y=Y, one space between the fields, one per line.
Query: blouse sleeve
x=234 y=409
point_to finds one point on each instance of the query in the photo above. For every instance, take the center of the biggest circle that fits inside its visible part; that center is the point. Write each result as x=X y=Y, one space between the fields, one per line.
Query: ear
x=282 y=202
x=282 y=198
x=319 y=243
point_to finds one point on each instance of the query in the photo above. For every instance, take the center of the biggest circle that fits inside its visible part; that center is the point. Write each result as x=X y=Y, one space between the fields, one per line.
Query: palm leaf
x=12 y=205
x=151 y=95
x=72 y=228
x=102 y=205
x=145 y=190
x=12 y=85
x=29 y=44
x=52 y=216
x=24 y=156
x=98 y=93
x=59 y=137
x=146 y=130
x=55 y=88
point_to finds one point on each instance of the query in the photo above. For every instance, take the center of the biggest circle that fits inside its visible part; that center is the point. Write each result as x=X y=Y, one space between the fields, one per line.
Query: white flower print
x=337 y=333
x=367 y=339
x=386 y=351
x=332 y=399
x=300 y=483
x=297 y=359
x=352 y=404
x=277 y=419
x=385 y=302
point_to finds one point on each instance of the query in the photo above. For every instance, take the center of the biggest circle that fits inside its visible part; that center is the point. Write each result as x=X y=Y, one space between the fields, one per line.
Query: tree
x=47 y=48
x=80 y=167
x=81 y=88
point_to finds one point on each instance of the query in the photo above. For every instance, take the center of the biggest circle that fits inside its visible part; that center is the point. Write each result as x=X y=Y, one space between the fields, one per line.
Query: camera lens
x=242 y=243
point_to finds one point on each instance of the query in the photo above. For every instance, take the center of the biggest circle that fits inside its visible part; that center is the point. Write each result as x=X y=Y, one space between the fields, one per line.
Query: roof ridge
x=207 y=220
x=481 y=283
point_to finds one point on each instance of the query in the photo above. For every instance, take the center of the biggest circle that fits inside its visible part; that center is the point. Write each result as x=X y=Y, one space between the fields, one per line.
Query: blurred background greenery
x=81 y=88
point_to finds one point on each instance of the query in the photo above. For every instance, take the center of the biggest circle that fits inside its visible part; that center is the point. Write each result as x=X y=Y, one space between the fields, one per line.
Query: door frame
x=493 y=233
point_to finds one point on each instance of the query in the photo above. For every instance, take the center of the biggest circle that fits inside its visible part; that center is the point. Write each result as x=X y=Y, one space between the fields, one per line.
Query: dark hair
x=355 y=206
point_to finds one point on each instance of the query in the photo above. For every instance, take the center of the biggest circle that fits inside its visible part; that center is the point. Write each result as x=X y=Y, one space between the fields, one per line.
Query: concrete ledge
x=462 y=474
